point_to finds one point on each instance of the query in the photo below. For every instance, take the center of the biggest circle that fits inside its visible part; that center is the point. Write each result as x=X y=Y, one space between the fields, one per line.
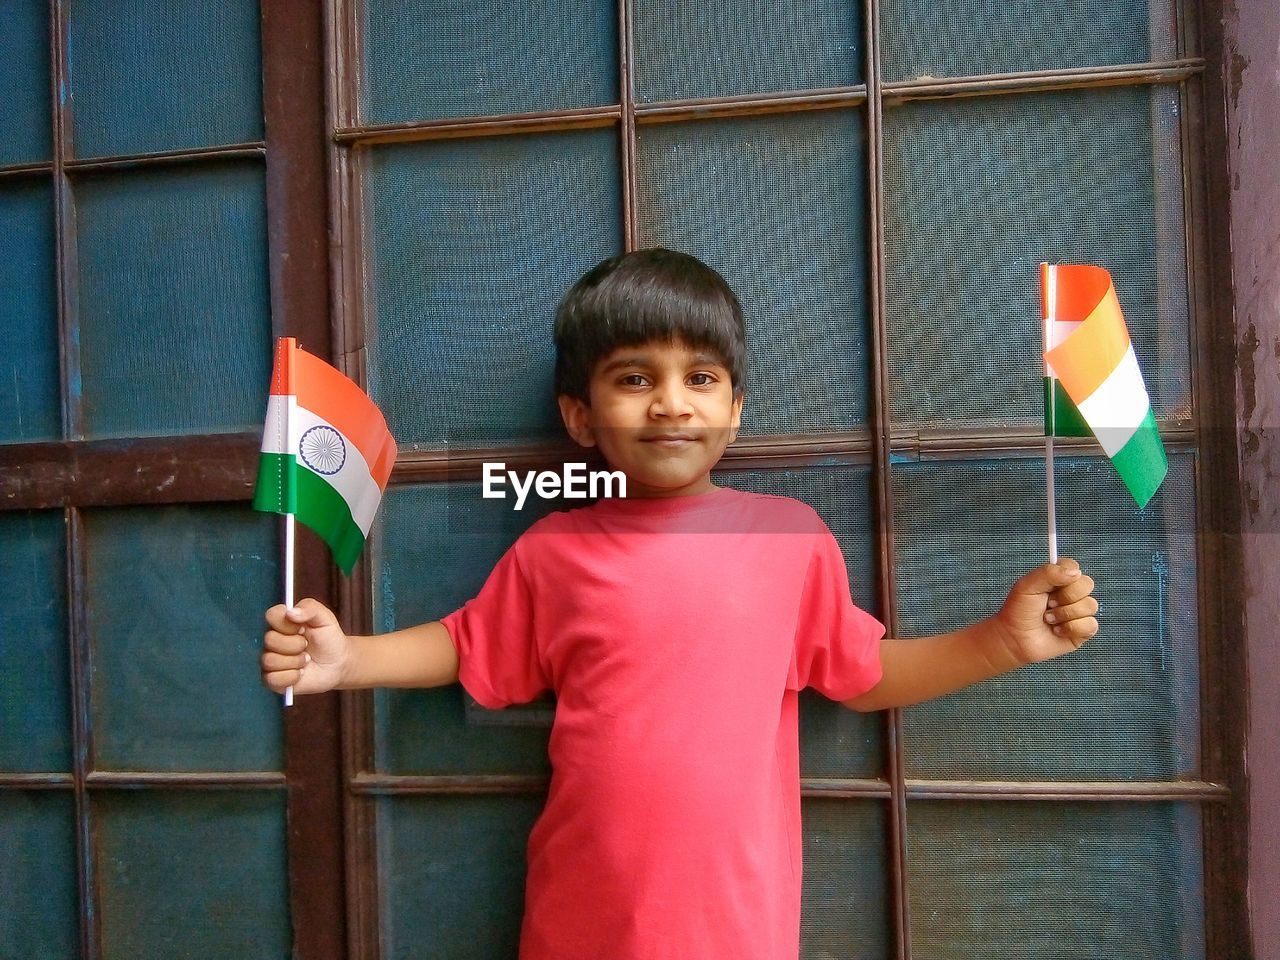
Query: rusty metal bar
x=1138 y=791
x=627 y=125
x=19 y=170
x=128 y=780
x=795 y=101
x=450 y=128
x=1034 y=81
x=254 y=151
x=881 y=426
x=36 y=781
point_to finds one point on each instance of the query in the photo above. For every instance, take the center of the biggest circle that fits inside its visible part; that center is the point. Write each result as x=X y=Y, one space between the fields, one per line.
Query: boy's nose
x=670 y=400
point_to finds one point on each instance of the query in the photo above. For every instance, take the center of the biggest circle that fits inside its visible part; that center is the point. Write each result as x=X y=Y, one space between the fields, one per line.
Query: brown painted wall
x=1252 y=34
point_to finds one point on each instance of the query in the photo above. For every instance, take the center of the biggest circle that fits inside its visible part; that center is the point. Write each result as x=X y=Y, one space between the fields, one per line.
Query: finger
x=1073 y=592
x=281 y=679
x=1048 y=577
x=283 y=643
x=1077 y=631
x=311 y=613
x=1086 y=607
x=271 y=662
x=278 y=620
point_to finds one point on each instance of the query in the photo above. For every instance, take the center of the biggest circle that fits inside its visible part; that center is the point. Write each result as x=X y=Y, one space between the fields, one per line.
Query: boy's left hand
x=1049 y=612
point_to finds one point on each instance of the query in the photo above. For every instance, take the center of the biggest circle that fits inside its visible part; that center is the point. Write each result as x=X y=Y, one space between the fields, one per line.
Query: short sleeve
x=837 y=645
x=498 y=661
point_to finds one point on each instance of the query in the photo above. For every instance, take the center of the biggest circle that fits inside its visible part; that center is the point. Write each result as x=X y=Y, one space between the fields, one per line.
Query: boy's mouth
x=672 y=439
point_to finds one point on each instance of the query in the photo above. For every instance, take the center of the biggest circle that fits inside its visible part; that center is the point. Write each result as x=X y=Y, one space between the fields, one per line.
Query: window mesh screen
x=39 y=916
x=777 y=205
x=35 y=700
x=424 y=61
x=1058 y=881
x=175 y=598
x=437 y=544
x=175 y=328
x=978 y=193
x=1125 y=705
x=727 y=48
x=957 y=38
x=192 y=873
x=451 y=875
x=845 y=906
x=30 y=409
x=155 y=75
x=472 y=243
x=25 y=123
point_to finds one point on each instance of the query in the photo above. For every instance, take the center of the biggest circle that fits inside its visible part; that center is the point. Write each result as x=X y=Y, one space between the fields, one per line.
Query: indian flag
x=326 y=452
x=1092 y=381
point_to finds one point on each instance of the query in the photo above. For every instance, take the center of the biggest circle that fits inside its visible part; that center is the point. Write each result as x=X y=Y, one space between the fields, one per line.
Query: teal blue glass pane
x=1125 y=706
x=193 y=874
x=777 y=205
x=174 y=312
x=845 y=908
x=727 y=48
x=175 y=600
x=473 y=243
x=978 y=192
x=424 y=61
x=834 y=740
x=35 y=706
x=29 y=388
x=1055 y=881
x=438 y=543
x=26 y=128
x=39 y=918
x=957 y=38
x=451 y=875
x=156 y=75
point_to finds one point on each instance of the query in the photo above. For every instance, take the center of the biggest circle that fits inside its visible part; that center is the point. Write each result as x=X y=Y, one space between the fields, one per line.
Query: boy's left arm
x=1049 y=612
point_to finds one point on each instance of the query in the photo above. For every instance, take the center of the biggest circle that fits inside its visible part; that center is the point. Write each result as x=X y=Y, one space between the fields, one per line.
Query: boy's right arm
x=307 y=649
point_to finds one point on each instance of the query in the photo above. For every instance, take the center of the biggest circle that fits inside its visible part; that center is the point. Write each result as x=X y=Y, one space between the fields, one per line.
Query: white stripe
x=1058 y=331
x=1119 y=405
x=353 y=481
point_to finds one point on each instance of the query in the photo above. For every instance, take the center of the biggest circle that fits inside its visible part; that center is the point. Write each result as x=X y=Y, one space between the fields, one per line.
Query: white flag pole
x=1050 y=274
x=288 y=583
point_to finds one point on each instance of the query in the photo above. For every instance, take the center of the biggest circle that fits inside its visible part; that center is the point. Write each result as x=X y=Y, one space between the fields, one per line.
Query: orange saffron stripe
x=1086 y=358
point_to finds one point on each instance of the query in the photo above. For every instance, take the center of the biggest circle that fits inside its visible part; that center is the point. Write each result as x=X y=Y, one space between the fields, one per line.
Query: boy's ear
x=574 y=414
x=737 y=416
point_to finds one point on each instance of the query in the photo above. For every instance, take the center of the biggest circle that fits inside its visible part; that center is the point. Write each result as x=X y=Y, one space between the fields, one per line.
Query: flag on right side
x=1092 y=380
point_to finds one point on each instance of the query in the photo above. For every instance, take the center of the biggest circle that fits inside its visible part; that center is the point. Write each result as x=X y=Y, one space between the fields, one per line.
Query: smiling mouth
x=672 y=439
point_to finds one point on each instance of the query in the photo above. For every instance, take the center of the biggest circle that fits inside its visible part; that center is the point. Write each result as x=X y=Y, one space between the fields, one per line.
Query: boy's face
x=662 y=413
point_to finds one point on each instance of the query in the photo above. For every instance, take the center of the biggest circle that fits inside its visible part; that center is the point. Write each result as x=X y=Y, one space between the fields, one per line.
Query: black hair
x=638 y=297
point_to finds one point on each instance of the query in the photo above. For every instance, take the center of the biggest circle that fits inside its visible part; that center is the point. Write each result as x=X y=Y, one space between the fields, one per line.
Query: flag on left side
x=326 y=452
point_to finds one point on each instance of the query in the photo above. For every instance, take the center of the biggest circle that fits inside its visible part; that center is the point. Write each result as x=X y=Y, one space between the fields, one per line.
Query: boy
x=676 y=627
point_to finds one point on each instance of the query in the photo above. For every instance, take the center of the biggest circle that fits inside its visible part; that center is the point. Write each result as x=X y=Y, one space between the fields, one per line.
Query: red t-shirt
x=676 y=635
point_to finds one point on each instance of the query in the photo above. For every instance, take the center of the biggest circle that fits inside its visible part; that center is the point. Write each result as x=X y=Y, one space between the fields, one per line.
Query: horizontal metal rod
x=19 y=170
x=254 y=150
x=485 y=126
x=36 y=781
x=791 y=101
x=818 y=787
x=125 y=780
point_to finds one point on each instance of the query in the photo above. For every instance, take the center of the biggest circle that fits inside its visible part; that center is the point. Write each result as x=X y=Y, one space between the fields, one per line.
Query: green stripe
x=283 y=488
x=1069 y=421
x=1141 y=462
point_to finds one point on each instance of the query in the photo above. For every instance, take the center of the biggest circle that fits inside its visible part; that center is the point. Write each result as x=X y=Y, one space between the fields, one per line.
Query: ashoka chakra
x=323 y=450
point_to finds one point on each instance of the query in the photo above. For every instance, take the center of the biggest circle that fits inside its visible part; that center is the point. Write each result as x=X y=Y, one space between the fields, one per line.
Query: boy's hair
x=638 y=297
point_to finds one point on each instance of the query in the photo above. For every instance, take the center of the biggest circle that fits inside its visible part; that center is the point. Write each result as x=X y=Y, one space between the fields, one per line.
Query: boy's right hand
x=304 y=649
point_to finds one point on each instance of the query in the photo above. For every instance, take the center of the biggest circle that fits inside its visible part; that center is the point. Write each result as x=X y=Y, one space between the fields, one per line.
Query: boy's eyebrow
x=642 y=360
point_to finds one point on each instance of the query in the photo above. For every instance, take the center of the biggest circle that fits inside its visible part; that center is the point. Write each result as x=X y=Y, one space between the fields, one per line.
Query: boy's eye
x=701 y=379
x=632 y=380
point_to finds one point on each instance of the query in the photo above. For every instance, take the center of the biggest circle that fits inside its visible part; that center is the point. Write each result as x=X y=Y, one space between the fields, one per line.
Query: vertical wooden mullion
x=627 y=126
x=881 y=459
x=293 y=78
x=1220 y=573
